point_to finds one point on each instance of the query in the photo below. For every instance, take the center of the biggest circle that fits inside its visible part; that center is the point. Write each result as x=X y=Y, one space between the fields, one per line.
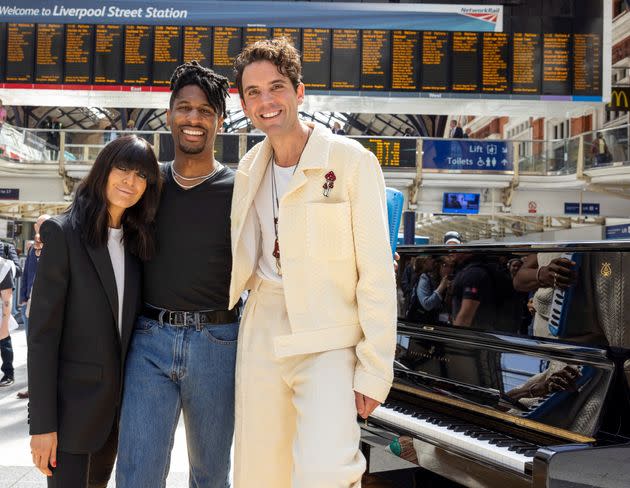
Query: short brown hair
x=279 y=51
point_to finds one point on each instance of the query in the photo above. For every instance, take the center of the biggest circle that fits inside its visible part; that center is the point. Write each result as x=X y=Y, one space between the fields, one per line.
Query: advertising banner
x=348 y=15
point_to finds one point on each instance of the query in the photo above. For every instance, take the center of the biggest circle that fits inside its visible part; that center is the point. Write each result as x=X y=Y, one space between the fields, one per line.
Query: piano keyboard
x=491 y=447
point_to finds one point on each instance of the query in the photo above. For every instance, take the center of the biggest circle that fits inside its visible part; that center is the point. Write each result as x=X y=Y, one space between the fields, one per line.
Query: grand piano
x=514 y=373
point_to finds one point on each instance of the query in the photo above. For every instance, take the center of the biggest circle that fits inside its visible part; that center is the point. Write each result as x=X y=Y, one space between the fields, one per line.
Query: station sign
x=621 y=231
x=467 y=155
x=573 y=208
x=9 y=193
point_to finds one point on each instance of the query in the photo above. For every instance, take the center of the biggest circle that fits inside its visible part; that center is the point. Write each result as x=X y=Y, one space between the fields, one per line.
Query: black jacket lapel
x=103 y=264
x=131 y=299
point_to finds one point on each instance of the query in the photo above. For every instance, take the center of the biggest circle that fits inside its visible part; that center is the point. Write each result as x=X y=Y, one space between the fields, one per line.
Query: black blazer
x=76 y=355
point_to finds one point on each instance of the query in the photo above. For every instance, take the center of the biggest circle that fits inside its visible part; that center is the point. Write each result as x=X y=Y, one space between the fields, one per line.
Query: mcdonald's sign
x=619 y=99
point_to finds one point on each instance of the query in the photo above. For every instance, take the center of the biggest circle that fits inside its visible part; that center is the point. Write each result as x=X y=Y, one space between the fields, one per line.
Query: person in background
x=600 y=151
x=455 y=131
x=7 y=275
x=85 y=299
x=28 y=278
x=131 y=125
x=452 y=238
x=338 y=130
x=468 y=133
x=3 y=113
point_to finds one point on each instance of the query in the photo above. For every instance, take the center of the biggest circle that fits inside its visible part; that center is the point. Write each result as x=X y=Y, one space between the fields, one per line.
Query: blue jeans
x=172 y=369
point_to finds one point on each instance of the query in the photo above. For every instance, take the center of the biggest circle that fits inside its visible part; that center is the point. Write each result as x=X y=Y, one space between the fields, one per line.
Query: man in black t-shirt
x=183 y=352
x=473 y=294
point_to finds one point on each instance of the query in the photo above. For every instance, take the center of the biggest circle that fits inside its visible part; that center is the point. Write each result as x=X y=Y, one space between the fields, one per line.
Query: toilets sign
x=467 y=155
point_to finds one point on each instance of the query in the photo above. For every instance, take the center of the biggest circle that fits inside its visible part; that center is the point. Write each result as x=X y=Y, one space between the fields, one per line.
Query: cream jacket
x=337 y=268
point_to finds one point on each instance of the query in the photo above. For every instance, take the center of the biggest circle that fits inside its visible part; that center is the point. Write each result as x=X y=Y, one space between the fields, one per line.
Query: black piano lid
x=502 y=377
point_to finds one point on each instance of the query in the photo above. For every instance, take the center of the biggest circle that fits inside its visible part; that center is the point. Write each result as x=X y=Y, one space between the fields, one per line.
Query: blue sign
x=618 y=231
x=9 y=193
x=573 y=208
x=466 y=155
x=590 y=209
x=346 y=15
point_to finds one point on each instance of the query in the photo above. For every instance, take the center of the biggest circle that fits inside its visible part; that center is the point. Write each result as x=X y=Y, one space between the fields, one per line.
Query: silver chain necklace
x=203 y=178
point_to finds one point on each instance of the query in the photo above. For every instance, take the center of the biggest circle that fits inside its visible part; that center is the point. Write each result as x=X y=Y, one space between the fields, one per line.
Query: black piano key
x=530 y=453
x=508 y=442
x=523 y=447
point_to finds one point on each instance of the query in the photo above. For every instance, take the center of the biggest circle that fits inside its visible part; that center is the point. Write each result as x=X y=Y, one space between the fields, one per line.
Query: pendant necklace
x=275 y=203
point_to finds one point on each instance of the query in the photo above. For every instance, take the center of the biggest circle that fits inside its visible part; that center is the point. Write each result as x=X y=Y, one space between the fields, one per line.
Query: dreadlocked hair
x=215 y=86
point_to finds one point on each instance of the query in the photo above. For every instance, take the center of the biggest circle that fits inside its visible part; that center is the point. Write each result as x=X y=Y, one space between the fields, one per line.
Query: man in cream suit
x=310 y=240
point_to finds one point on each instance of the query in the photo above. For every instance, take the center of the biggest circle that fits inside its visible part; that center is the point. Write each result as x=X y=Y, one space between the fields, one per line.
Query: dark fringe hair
x=278 y=51
x=88 y=212
x=215 y=86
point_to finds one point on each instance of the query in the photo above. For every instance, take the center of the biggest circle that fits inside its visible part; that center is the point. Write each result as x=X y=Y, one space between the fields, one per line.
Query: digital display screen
x=375 y=60
x=108 y=46
x=167 y=47
x=20 y=53
x=293 y=34
x=79 y=58
x=49 y=53
x=226 y=46
x=465 y=61
x=460 y=203
x=405 y=60
x=557 y=54
x=316 y=44
x=392 y=152
x=435 y=61
x=346 y=59
x=495 y=57
x=137 y=60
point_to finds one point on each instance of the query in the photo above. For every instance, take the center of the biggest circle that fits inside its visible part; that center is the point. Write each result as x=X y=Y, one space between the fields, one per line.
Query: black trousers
x=6 y=353
x=86 y=470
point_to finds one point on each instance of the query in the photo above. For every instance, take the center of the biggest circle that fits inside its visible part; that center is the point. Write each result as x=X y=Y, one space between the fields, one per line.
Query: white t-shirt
x=263 y=204
x=116 y=250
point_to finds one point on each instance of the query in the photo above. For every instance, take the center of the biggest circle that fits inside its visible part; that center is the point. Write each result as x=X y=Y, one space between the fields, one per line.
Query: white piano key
x=478 y=448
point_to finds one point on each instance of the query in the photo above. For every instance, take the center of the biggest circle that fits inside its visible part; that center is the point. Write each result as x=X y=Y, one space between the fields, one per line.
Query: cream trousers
x=296 y=420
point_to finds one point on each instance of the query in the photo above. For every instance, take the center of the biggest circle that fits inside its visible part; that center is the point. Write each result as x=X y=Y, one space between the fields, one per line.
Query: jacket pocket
x=329 y=230
x=73 y=370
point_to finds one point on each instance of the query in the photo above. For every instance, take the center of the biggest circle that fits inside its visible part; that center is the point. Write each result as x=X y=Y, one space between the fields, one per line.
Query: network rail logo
x=487 y=14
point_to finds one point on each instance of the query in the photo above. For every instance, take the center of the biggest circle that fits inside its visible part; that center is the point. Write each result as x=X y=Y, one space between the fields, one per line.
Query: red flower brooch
x=330 y=182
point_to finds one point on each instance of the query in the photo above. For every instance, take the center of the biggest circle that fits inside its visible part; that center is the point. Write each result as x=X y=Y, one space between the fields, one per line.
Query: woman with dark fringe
x=84 y=302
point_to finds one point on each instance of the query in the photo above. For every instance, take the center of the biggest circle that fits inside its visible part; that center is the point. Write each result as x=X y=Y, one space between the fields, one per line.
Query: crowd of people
x=134 y=313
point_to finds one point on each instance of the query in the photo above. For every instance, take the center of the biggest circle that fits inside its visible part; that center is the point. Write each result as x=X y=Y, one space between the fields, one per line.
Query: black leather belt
x=191 y=319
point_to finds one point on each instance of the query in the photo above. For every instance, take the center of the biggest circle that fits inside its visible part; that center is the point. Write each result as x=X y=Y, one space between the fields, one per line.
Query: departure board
x=526 y=63
x=78 y=53
x=293 y=34
x=198 y=45
x=346 y=59
x=20 y=53
x=108 y=45
x=587 y=64
x=390 y=152
x=3 y=42
x=316 y=45
x=137 y=60
x=253 y=34
x=227 y=45
x=495 y=49
x=435 y=61
x=375 y=60
x=49 y=53
x=465 y=61
x=405 y=68
x=556 y=63
x=167 y=47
